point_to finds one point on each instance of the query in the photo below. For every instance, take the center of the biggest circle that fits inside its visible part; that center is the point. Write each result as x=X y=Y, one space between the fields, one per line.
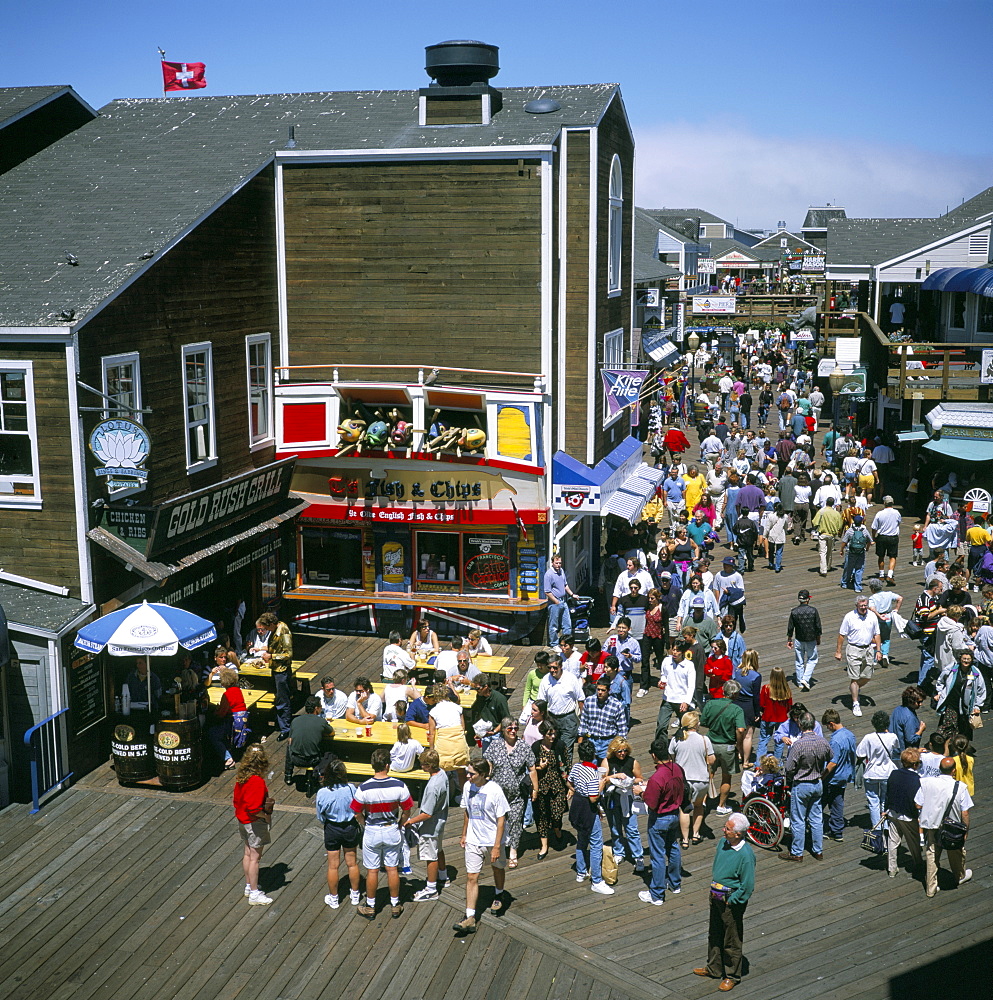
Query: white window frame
x=113 y=361
x=615 y=227
x=613 y=357
x=32 y=502
x=197 y=465
x=269 y=437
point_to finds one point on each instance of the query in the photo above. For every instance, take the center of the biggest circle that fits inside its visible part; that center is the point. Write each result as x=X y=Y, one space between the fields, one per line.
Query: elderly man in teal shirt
x=731 y=886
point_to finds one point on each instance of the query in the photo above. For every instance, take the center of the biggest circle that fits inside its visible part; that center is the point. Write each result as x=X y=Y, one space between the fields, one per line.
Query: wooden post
x=944 y=373
x=903 y=369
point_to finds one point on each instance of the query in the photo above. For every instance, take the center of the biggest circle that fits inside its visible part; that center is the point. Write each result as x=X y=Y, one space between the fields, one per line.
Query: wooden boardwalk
x=132 y=894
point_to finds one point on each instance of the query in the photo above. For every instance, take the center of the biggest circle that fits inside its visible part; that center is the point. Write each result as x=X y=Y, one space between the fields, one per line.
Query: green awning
x=963 y=448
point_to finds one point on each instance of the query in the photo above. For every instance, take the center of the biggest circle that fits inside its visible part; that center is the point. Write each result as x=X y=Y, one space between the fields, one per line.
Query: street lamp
x=837 y=380
x=693 y=340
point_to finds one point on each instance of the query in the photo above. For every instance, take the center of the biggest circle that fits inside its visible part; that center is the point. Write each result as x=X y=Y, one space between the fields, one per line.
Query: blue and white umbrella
x=145 y=630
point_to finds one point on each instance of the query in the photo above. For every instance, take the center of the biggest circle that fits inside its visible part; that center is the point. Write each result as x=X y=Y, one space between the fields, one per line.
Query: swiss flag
x=183 y=76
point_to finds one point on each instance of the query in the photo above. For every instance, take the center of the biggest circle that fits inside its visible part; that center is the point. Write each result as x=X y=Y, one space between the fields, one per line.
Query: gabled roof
x=32 y=118
x=794 y=240
x=130 y=183
x=872 y=241
x=15 y=102
x=678 y=214
x=977 y=206
x=720 y=247
x=818 y=217
x=647 y=266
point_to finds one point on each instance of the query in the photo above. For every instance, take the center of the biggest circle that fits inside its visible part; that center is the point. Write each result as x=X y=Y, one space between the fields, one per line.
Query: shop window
x=438 y=561
x=19 y=482
x=270 y=580
x=956 y=314
x=615 y=232
x=486 y=565
x=332 y=557
x=122 y=384
x=198 y=381
x=259 y=364
x=984 y=315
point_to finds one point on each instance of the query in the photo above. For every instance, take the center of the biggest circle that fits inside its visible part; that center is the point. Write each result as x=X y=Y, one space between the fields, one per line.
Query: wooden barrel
x=178 y=753
x=131 y=746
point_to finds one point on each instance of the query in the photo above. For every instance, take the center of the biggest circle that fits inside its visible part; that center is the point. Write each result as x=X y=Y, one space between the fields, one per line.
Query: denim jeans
x=663 y=846
x=559 y=622
x=927 y=660
x=776 y=555
x=217 y=736
x=804 y=660
x=601 y=746
x=805 y=808
x=875 y=795
x=766 y=729
x=284 y=710
x=852 y=570
x=589 y=851
x=623 y=831
x=833 y=806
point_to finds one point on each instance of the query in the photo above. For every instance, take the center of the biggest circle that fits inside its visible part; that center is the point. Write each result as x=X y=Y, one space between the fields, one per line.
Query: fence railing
x=47 y=744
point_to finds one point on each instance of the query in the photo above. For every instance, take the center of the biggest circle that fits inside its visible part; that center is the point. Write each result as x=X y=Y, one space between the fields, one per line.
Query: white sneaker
x=857 y=709
x=639 y=865
x=965 y=878
x=675 y=892
x=258 y=898
x=723 y=810
x=331 y=901
x=425 y=894
x=583 y=877
x=248 y=889
x=646 y=897
x=642 y=692
x=354 y=898
x=602 y=888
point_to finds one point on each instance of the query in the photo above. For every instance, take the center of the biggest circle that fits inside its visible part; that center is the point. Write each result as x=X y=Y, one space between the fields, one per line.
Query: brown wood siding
x=576 y=254
x=41 y=544
x=453 y=110
x=217 y=285
x=419 y=263
x=613 y=137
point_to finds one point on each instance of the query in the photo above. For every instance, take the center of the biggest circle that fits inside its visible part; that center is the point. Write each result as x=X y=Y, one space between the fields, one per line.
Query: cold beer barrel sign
x=486 y=569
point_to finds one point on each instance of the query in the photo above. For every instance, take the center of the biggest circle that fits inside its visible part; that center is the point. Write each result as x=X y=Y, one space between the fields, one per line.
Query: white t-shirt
x=373 y=704
x=395 y=658
x=447 y=714
x=403 y=755
x=933 y=797
x=333 y=708
x=878 y=750
x=393 y=693
x=572 y=664
x=484 y=806
x=887 y=522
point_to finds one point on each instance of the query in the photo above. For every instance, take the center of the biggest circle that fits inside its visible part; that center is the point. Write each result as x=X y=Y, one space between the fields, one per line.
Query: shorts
x=255 y=834
x=381 y=847
x=867 y=483
x=427 y=846
x=887 y=546
x=476 y=854
x=860 y=661
x=697 y=788
x=339 y=835
x=725 y=758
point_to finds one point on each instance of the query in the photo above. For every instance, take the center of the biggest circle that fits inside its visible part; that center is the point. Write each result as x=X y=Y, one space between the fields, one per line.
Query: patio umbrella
x=145 y=630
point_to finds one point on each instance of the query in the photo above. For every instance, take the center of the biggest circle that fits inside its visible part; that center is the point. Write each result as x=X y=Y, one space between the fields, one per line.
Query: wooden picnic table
x=252 y=695
x=466 y=698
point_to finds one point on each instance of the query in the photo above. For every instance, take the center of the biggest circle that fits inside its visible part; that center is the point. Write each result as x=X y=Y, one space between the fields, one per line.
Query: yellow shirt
x=967 y=777
x=977 y=535
x=694 y=491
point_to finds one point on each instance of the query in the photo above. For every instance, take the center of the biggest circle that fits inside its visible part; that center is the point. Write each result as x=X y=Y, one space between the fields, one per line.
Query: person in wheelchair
x=768 y=782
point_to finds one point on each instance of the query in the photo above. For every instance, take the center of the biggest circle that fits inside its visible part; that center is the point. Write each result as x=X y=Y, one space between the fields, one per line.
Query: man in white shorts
x=429 y=826
x=382 y=804
x=482 y=837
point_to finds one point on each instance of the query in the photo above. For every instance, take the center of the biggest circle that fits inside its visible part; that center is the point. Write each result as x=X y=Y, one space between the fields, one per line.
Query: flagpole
x=162 y=60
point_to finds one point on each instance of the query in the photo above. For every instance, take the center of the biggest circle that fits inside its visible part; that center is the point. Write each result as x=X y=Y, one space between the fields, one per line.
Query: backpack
x=859 y=541
x=746 y=531
x=785 y=401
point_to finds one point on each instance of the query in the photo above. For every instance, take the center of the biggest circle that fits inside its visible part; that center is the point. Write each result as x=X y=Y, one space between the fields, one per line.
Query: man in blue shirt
x=675 y=490
x=698 y=530
x=838 y=773
x=904 y=723
x=556 y=588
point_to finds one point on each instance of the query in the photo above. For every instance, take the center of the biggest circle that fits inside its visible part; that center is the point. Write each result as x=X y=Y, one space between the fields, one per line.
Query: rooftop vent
x=461 y=63
x=542 y=106
x=461 y=93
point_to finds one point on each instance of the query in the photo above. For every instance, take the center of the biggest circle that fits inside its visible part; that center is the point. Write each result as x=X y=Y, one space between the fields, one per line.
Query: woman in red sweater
x=253 y=810
x=230 y=721
x=775 y=702
x=718 y=668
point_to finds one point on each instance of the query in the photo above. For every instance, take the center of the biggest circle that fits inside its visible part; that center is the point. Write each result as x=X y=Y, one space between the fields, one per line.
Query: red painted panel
x=305 y=422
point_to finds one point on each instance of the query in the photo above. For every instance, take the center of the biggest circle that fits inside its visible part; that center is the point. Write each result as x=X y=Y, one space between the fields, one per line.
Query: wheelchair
x=766 y=808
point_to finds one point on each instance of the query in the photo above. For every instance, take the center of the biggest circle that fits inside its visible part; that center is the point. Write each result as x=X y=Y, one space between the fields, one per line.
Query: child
x=404 y=752
x=775 y=702
x=397 y=713
x=917 y=540
x=762 y=779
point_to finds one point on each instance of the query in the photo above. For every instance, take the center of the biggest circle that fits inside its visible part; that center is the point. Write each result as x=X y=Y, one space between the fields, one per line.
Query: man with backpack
x=854 y=544
x=784 y=403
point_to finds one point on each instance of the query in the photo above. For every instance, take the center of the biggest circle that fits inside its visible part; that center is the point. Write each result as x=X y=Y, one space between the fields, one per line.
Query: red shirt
x=675 y=440
x=772 y=710
x=664 y=791
x=249 y=798
x=231 y=701
x=595 y=669
x=718 y=671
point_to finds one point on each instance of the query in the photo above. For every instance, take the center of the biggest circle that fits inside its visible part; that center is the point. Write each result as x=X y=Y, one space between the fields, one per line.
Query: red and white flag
x=183 y=76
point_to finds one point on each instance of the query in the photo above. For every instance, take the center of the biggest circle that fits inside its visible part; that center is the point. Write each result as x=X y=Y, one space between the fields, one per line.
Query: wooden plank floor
x=136 y=893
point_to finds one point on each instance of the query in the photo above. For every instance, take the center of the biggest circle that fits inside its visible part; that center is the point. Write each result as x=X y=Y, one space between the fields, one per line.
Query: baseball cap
x=698 y=602
x=665 y=576
x=730 y=561
x=858 y=519
x=887 y=499
x=803 y=595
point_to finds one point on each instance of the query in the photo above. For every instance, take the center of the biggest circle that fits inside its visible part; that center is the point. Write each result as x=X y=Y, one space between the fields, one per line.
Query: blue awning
x=966 y=449
x=658 y=346
x=630 y=498
x=978 y=280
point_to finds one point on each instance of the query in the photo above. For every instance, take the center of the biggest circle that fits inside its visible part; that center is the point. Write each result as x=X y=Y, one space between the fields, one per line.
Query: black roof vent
x=542 y=106
x=461 y=63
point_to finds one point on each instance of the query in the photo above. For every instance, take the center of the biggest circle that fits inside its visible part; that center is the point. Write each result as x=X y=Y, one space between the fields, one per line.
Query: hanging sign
x=122 y=446
x=621 y=387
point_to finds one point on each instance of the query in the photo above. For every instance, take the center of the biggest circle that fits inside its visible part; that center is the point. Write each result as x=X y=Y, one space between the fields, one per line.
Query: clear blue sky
x=752 y=111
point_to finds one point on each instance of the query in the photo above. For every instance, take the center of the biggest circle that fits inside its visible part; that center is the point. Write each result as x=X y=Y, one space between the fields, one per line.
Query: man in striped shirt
x=383 y=805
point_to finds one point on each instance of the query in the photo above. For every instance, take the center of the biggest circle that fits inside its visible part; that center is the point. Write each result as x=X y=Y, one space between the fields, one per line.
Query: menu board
x=486 y=565
x=87 y=697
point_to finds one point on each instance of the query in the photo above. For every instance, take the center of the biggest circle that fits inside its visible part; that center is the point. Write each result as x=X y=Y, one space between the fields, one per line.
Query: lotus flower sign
x=123 y=446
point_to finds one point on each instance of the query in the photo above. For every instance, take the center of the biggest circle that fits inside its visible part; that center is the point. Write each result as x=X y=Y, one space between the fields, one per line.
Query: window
x=438 y=561
x=613 y=356
x=984 y=315
x=616 y=227
x=956 y=314
x=259 y=388
x=198 y=378
x=19 y=483
x=122 y=383
x=332 y=557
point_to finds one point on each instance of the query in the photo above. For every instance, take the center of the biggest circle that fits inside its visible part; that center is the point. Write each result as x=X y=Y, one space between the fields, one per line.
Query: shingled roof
x=18 y=101
x=872 y=241
x=818 y=217
x=126 y=186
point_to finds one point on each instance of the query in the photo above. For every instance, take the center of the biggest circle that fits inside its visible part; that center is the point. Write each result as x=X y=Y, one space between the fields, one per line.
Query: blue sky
x=752 y=111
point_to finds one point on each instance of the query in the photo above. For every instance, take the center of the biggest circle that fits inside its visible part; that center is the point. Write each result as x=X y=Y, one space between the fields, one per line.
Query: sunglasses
x=470 y=774
x=513 y=728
